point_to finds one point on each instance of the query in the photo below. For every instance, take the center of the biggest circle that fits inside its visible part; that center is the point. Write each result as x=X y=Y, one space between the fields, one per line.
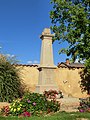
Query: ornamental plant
x=36 y=103
x=16 y=107
x=53 y=106
x=52 y=94
x=84 y=105
x=10 y=82
x=26 y=114
x=32 y=104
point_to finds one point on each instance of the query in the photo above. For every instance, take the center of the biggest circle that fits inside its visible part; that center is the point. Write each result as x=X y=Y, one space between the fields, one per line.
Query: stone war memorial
x=64 y=78
x=45 y=76
x=46 y=68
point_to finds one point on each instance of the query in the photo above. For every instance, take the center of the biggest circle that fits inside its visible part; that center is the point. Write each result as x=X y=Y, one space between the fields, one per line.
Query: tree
x=71 y=23
x=10 y=83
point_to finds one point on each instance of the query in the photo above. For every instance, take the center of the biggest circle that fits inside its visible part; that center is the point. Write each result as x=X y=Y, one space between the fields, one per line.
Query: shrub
x=15 y=107
x=84 y=105
x=10 y=83
x=52 y=94
x=33 y=104
x=36 y=103
x=53 y=106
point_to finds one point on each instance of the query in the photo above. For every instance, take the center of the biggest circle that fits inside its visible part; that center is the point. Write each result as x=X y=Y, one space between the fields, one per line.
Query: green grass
x=56 y=116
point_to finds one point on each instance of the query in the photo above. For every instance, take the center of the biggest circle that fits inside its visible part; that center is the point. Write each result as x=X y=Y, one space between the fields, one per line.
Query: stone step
x=69 y=104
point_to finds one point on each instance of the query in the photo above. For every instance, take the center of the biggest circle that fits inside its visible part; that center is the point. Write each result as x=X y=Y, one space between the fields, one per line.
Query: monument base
x=41 y=88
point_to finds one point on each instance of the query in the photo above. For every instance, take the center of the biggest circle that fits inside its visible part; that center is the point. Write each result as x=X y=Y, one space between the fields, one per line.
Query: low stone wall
x=2 y=104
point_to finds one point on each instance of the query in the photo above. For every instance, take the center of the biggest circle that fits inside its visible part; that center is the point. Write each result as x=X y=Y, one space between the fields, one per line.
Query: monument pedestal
x=41 y=88
x=46 y=79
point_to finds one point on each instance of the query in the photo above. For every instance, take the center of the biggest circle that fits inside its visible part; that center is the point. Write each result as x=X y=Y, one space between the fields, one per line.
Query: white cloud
x=32 y=62
x=35 y=61
x=8 y=55
x=11 y=56
x=29 y=62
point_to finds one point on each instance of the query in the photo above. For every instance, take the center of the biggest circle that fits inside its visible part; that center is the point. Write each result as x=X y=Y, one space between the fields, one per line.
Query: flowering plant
x=5 y=110
x=32 y=104
x=16 y=107
x=26 y=114
x=84 y=105
x=52 y=94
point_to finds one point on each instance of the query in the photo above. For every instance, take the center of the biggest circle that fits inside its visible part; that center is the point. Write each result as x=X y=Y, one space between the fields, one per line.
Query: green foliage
x=32 y=104
x=10 y=83
x=52 y=94
x=84 y=105
x=15 y=107
x=36 y=103
x=85 y=77
x=71 y=23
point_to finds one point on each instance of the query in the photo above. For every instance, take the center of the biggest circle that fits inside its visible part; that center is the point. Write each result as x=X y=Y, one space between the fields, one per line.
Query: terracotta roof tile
x=71 y=65
x=27 y=65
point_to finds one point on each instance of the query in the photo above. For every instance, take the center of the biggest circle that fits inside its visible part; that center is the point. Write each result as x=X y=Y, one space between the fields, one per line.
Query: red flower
x=26 y=114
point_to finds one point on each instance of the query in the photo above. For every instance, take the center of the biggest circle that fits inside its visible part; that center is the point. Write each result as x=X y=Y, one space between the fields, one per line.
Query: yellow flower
x=9 y=106
x=18 y=108
x=14 y=110
x=20 y=104
x=13 y=104
x=11 y=109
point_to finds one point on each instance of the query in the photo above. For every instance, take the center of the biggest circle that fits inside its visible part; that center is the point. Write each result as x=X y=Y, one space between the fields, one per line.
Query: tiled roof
x=27 y=65
x=78 y=65
x=71 y=65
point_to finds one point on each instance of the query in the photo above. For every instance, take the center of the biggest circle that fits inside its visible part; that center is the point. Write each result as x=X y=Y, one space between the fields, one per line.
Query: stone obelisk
x=46 y=69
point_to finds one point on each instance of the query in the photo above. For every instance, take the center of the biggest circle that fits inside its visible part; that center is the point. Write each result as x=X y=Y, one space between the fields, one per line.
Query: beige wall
x=66 y=79
x=29 y=75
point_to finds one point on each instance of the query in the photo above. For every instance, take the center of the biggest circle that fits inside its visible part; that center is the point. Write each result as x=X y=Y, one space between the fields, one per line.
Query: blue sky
x=21 y=23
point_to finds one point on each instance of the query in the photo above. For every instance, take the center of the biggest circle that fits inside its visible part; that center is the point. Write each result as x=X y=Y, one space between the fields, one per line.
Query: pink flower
x=34 y=103
x=28 y=101
x=81 y=110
